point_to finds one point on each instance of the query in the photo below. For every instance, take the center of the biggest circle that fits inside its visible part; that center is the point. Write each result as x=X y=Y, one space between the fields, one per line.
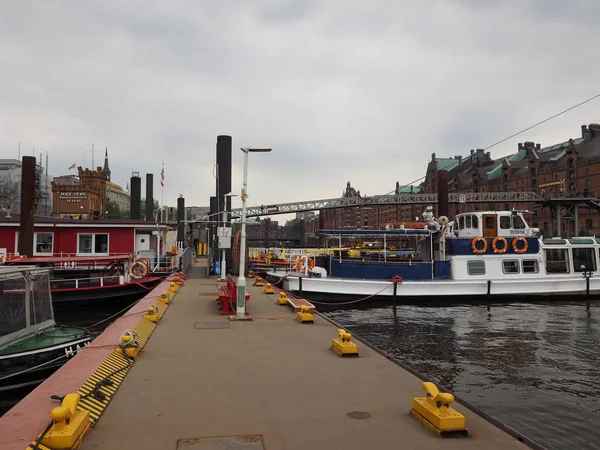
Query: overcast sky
x=348 y=90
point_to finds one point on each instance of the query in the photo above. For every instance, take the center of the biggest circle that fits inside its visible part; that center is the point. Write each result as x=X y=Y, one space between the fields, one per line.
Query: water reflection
x=535 y=367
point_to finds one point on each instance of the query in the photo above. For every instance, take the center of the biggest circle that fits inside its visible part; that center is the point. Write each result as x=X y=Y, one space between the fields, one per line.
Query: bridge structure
x=388 y=199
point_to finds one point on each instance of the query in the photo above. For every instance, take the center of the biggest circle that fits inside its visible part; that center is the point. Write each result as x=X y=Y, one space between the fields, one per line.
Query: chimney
x=149 y=198
x=585 y=133
x=472 y=152
x=180 y=218
x=529 y=144
x=136 y=196
x=520 y=146
x=538 y=146
x=27 y=208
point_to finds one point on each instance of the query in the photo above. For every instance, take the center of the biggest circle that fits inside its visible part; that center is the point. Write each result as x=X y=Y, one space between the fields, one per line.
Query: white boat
x=484 y=255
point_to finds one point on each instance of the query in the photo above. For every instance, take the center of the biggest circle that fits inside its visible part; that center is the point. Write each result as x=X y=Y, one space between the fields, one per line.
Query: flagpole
x=162 y=190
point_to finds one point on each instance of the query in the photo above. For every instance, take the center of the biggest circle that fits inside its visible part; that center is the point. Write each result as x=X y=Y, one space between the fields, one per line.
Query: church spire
x=106 y=170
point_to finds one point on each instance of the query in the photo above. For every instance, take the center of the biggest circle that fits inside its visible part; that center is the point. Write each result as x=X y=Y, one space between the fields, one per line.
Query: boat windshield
x=26 y=305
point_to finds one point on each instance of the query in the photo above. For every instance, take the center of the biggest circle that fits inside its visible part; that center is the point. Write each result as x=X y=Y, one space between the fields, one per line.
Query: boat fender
x=515 y=245
x=474 y=243
x=495 y=245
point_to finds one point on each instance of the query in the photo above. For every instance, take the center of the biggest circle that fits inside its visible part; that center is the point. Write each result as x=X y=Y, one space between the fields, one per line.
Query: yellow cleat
x=342 y=345
x=435 y=413
x=304 y=316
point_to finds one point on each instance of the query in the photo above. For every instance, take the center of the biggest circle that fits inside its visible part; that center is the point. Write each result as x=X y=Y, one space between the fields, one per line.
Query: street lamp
x=224 y=227
x=241 y=281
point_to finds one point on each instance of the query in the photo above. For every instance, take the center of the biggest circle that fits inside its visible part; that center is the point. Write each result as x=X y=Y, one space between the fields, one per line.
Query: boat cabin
x=490 y=224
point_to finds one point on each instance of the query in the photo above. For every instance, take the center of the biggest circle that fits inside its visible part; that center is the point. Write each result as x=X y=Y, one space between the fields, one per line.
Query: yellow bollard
x=173 y=287
x=152 y=314
x=304 y=316
x=269 y=289
x=251 y=274
x=165 y=297
x=342 y=345
x=69 y=425
x=128 y=344
x=259 y=281
x=435 y=413
x=282 y=300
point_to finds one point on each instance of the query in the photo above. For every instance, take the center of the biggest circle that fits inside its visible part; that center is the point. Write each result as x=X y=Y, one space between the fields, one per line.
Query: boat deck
x=204 y=382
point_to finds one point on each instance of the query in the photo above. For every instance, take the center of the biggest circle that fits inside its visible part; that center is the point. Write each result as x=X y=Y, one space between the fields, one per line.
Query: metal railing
x=78 y=283
x=186 y=259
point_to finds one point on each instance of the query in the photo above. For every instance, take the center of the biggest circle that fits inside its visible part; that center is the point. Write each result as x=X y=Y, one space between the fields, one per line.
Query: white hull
x=548 y=286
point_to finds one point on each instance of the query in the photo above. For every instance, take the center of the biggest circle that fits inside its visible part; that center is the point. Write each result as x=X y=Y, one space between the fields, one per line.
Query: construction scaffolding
x=10 y=187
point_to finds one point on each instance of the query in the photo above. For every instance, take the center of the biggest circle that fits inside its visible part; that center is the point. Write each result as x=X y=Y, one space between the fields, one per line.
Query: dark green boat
x=32 y=345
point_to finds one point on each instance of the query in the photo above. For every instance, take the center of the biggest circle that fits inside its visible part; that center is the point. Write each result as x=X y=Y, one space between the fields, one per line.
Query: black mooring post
x=489 y=290
x=394 y=296
x=587 y=283
x=300 y=284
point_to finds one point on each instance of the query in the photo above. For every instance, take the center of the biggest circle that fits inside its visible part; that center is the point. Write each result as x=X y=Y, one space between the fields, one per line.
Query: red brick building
x=568 y=170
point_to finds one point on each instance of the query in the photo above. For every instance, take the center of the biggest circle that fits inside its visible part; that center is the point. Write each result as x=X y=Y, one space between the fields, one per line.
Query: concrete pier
x=203 y=382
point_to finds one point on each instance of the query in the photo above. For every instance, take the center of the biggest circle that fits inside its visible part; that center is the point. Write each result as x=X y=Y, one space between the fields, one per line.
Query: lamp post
x=241 y=281
x=225 y=221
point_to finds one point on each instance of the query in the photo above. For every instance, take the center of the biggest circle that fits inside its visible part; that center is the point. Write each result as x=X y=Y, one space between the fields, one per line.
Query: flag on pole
x=162 y=175
x=72 y=166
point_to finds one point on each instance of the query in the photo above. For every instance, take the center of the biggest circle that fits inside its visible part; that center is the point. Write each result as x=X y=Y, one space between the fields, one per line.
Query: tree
x=114 y=212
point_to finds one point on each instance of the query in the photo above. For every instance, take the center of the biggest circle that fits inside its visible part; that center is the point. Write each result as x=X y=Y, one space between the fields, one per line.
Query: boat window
x=93 y=244
x=554 y=241
x=505 y=222
x=476 y=267
x=490 y=222
x=518 y=222
x=557 y=260
x=461 y=223
x=43 y=243
x=530 y=266
x=510 y=266
x=468 y=222
x=584 y=259
x=579 y=241
x=475 y=222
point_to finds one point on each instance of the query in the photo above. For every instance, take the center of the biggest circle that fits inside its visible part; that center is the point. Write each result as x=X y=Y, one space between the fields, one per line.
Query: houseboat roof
x=41 y=221
x=60 y=259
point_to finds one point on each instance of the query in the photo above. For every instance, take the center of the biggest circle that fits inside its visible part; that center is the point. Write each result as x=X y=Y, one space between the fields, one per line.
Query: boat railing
x=78 y=283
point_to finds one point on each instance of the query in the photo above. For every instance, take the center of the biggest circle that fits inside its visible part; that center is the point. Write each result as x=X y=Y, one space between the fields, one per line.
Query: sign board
x=224 y=242
x=224 y=232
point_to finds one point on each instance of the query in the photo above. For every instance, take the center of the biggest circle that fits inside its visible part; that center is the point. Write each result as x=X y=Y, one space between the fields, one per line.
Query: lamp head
x=255 y=150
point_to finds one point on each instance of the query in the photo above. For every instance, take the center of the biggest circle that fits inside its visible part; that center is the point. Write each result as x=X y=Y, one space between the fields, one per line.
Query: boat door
x=490 y=225
x=142 y=242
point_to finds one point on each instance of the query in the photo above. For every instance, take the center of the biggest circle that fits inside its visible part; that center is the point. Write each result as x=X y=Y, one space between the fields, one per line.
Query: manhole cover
x=211 y=325
x=359 y=415
x=248 y=442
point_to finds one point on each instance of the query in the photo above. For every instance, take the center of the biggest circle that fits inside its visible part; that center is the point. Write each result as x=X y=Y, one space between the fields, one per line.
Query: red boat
x=99 y=278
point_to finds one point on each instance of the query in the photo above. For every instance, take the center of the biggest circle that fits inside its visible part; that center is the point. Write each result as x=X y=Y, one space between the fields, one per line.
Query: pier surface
x=203 y=382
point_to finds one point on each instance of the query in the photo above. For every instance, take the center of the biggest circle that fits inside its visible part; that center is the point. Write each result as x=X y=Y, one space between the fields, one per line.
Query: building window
x=43 y=243
x=530 y=266
x=557 y=260
x=92 y=244
x=510 y=266
x=584 y=259
x=476 y=267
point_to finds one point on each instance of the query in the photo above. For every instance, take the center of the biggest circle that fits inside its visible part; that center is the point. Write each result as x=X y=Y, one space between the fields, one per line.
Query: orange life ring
x=515 y=243
x=495 y=247
x=300 y=264
x=474 y=243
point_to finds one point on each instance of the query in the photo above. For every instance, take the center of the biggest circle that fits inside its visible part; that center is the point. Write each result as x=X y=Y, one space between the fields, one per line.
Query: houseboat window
x=43 y=243
x=505 y=222
x=468 y=222
x=461 y=223
x=518 y=222
x=510 y=266
x=584 y=259
x=475 y=222
x=93 y=244
x=476 y=267
x=557 y=260
x=530 y=266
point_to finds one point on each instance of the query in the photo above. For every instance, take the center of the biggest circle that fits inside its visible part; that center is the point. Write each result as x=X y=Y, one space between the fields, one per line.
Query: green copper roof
x=446 y=163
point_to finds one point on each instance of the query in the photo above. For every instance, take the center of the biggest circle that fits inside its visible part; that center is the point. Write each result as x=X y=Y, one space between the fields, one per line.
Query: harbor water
x=534 y=367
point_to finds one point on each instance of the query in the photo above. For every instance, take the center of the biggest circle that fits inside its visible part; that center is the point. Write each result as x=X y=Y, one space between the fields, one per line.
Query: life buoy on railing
x=294 y=261
x=300 y=265
x=138 y=270
x=495 y=245
x=476 y=249
x=515 y=245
